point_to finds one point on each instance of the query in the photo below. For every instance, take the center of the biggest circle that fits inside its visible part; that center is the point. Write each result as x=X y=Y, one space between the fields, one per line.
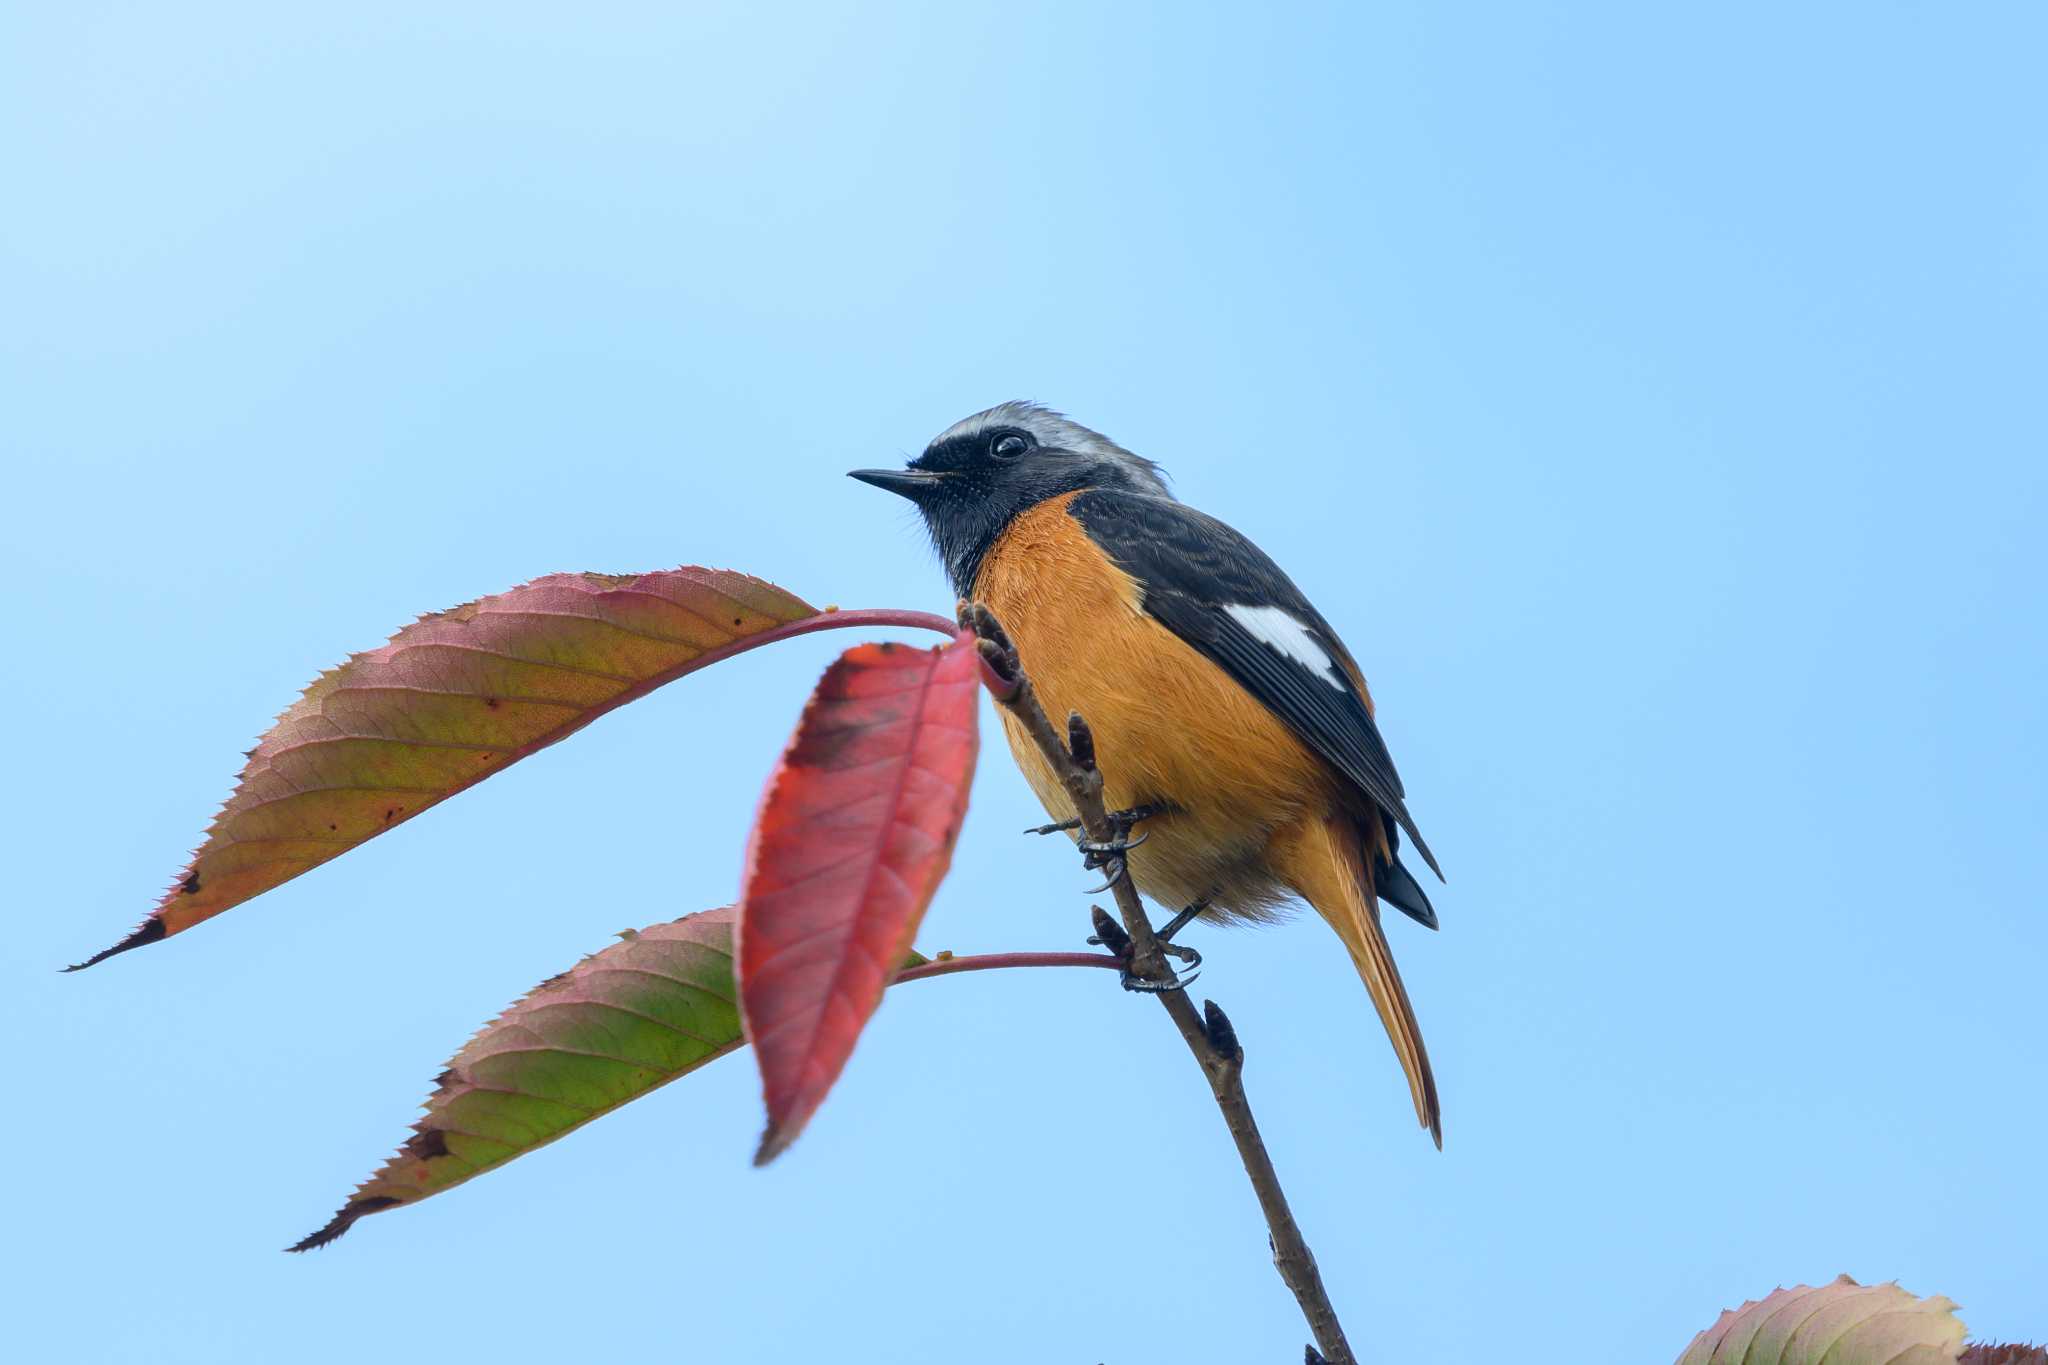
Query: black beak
x=908 y=483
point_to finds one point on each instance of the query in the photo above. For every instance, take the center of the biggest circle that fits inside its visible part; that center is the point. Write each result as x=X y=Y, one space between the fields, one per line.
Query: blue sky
x=1651 y=396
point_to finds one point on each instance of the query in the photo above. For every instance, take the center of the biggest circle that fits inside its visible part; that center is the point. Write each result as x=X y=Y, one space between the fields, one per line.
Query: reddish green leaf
x=1844 y=1323
x=618 y=1024
x=853 y=837
x=455 y=697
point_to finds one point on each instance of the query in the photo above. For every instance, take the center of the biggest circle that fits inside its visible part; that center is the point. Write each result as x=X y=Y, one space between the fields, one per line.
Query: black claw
x=1107 y=854
x=1061 y=827
x=1107 y=848
x=1147 y=986
x=1121 y=823
x=1177 y=982
x=1114 y=867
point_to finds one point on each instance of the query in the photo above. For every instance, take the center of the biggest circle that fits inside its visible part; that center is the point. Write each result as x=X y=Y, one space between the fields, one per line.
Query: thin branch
x=1209 y=1036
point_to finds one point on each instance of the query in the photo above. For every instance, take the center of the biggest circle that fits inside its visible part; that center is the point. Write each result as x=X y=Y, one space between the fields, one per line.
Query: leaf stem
x=824 y=620
x=869 y=616
x=986 y=962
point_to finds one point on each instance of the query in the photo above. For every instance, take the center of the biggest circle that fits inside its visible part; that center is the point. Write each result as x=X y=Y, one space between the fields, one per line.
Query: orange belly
x=1171 y=727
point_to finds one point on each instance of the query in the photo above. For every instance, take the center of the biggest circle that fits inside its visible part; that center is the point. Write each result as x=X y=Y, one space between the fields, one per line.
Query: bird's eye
x=1009 y=446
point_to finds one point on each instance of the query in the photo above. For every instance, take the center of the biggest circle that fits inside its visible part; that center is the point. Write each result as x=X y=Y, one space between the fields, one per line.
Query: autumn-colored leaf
x=1843 y=1323
x=854 y=834
x=455 y=697
x=618 y=1024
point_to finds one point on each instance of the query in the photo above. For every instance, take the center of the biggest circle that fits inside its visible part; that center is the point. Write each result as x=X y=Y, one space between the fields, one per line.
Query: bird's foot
x=1109 y=934
x=1180 y=981
x=1107 y=855
x=1121 y=820
x=1186 y=954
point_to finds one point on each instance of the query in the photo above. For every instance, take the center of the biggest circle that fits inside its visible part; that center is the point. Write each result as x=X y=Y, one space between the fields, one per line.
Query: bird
x=1230 y=721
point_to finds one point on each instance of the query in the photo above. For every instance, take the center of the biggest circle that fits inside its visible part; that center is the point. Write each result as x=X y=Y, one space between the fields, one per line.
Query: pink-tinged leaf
x=457 y=696
x=1843 y=1323
x=618 y=1024
x=854 y=834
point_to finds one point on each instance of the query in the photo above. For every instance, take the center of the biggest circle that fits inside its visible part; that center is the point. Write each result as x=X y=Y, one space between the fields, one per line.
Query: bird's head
x=978 y=474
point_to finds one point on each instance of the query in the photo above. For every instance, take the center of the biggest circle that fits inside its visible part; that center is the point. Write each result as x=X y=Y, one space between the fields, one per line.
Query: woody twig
x=1209 y=1035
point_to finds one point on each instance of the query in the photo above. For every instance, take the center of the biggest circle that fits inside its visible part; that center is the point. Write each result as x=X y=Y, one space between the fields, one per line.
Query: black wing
x=1195 y=570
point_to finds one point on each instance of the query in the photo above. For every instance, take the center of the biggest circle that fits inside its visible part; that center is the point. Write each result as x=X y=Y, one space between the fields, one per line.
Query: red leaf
x=854 y=835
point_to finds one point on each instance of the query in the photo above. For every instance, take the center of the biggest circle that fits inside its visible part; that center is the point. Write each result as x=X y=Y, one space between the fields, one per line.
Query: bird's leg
x=1108 y=854
x=1171 y=949
x=1182 y=920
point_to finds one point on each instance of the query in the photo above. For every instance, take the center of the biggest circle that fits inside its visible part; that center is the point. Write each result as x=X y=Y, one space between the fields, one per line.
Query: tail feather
x=1397 y=887
x=1325 y=861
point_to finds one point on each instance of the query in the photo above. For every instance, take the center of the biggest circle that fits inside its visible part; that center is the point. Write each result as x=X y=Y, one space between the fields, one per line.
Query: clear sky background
x=1651 y=395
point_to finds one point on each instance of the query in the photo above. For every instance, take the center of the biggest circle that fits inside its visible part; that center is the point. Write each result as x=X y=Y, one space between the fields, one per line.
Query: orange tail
x=1324 y=860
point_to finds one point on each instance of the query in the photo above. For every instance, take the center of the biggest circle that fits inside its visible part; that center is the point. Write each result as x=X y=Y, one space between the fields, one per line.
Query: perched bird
x=1231 y=723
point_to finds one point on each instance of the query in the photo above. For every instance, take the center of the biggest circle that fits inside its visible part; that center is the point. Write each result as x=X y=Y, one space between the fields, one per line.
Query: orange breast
x=1170 y=725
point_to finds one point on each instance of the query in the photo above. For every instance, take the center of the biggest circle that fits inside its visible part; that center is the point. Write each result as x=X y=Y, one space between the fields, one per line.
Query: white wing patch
x=1279 y=631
